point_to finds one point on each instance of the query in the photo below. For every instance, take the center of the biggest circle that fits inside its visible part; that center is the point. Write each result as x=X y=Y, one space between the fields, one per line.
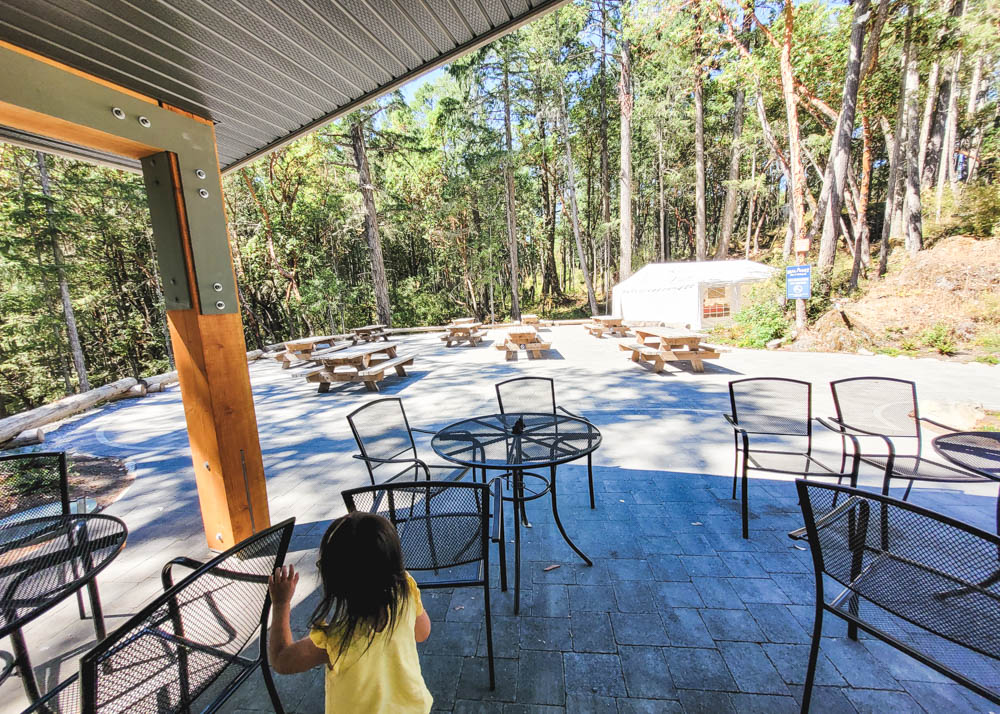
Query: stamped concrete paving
x=678 y=612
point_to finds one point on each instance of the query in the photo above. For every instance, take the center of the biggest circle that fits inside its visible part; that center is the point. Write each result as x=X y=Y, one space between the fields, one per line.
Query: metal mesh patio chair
x=538 y=395
x=886 y=408
x=772 y=425
x=924 y=583
x=185 y=650
x=385 y=439
x=442 y=525
x=33 y=485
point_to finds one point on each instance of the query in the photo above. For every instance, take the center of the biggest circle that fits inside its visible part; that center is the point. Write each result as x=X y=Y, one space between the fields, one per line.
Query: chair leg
x=96 y=610
x=746 y=502
x=590 y=478
x=489 y=631
x=23 y=662
x=736 y=461
x=503 y=554
x=906 y=494
x=265 y=670
x=813 y=657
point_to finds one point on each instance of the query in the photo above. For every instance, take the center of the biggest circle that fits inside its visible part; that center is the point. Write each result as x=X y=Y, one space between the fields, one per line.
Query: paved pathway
x=674 y=616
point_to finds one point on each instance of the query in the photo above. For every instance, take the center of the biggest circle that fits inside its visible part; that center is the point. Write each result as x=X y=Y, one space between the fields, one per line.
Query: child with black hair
x=366 y=626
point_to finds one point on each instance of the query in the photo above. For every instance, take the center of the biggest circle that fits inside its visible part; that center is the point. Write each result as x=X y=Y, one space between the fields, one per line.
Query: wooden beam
x=209 y=349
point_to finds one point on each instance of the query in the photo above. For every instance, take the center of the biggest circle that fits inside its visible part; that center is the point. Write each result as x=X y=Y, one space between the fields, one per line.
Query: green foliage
x=973 y=210
x=940 y=338
x=988 y=359
x=763 y=316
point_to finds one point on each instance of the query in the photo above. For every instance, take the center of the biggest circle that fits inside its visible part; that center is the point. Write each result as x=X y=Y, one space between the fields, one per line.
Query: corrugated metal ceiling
x=265 y=72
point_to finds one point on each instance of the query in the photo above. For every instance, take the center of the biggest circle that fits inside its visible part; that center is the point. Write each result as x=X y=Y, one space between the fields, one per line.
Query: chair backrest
x=180 y=645
x=772 y=405
x=33 y=485
x=923 y=567
x=536 y=395
x=441 y=524
x=882 y=405
x=382 y=431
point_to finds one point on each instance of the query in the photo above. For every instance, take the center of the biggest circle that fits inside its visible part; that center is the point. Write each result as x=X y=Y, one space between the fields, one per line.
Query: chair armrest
x=732 y=422
x=567 y=412
x=166 y=576
x=414 y=461
x=423 y=431
x=939 y=425
x=497 y=487
x=826 y=519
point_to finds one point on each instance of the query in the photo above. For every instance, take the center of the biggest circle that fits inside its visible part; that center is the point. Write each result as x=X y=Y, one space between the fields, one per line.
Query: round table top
x=43 y=560
x=500 y=441
x=977 y=451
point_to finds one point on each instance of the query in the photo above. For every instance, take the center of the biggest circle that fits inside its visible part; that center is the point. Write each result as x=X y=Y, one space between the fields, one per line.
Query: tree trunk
x=729 y=210
x=605 y=160
x=798 y=174
x=753 y=200
x=382 y=307
x=862 y=248
x=840 y=150
x=933 y=80
x=701 y=247
x=508 y=174
x=571 y=188
x=69 y=317
x=625 y=194
x=661 y=208
x=893 y=200
x=951 y=129
x=550 y=276
x=914 y=229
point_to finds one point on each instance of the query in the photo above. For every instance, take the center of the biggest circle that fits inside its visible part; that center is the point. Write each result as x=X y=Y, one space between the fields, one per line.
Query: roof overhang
x=264 y=72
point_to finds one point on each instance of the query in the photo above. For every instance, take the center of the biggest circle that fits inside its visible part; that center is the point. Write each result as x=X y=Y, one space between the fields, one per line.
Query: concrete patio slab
x=678 y=612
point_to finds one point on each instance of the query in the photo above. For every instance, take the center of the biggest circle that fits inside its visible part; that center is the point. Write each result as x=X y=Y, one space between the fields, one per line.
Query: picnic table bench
x=529 y=319
x=370 y=333
x=523 y=337
x=606 y=323
x=658 y=345
x=464 y=332
x=361 y=363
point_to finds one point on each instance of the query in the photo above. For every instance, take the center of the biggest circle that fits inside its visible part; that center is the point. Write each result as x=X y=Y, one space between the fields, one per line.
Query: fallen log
x=11 y=426
x=26 y=438
x=159 y=382
x=139 y=390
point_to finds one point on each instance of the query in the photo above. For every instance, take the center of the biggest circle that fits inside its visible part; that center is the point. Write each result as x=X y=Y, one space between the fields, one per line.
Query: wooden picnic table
x=301 y=350
x=370 y=333
x=523 y=337
x=529 y=319
x=359 y=363
x=463 y=320
x=464 y=332
x=606 y=323
x=659 y=345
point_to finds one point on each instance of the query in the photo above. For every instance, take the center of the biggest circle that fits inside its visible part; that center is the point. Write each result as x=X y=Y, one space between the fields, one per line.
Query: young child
x=367 y=625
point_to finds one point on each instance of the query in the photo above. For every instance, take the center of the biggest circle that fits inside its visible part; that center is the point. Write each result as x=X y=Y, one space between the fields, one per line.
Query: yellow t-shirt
x=385 y=678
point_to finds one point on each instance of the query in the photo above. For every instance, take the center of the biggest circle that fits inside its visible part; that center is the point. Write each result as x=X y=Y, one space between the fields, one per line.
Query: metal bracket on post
x=166 y=231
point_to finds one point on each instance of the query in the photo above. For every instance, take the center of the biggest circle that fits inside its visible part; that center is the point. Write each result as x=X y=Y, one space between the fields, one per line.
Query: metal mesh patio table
x=513 y=443
x=976 y=451
x=45 y=560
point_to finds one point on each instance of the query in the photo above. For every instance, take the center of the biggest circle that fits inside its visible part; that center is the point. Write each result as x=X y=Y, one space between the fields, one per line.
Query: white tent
x=700 y=294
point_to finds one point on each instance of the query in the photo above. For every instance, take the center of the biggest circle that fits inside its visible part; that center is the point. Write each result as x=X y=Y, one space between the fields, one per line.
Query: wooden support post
x=210 y=354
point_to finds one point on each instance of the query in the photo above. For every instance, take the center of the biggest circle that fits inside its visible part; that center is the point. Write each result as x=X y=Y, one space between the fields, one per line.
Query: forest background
x=537 y=173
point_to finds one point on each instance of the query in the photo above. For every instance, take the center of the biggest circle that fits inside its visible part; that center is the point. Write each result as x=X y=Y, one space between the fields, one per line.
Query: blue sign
x=798 y=282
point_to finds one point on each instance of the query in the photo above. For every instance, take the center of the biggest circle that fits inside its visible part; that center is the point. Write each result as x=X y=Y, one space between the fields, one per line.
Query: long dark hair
x=364 y=583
